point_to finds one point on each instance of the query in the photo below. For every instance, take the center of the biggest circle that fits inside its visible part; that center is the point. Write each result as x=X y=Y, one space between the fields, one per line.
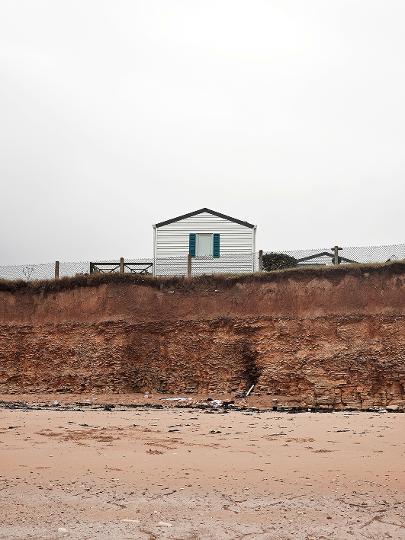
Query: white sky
x=116 y=115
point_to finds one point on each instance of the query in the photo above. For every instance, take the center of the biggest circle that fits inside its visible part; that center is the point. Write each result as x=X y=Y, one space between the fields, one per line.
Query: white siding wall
x=172 y=240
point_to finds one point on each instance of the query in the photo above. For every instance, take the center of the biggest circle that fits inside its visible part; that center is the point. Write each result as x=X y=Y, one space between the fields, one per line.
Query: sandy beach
x=189 y=474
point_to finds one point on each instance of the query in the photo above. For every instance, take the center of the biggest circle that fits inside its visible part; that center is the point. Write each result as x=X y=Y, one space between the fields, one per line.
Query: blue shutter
x=191 y=244
x=216 y=246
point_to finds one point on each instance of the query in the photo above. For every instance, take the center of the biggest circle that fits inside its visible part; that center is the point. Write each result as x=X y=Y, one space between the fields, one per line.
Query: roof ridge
x=200 y=211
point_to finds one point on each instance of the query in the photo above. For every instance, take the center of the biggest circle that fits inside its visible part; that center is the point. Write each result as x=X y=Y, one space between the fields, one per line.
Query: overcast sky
x=116 y=115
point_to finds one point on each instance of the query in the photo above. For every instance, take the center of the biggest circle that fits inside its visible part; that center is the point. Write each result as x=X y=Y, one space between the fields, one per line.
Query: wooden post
x=260 y=260
x=122 y=265
x=56 y=269
x=336 y=250
x=189 y=265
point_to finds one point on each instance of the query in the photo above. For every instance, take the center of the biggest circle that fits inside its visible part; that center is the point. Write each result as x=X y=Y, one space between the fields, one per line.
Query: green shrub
x=277 y=261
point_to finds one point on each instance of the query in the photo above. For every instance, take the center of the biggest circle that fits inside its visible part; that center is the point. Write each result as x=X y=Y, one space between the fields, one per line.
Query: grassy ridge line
x=200 y=282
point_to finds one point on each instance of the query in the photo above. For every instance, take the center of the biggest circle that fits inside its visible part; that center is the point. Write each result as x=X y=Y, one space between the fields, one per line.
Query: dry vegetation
x=200 y=282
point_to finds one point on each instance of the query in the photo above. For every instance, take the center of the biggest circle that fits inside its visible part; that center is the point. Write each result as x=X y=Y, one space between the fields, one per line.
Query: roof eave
x=200 y=211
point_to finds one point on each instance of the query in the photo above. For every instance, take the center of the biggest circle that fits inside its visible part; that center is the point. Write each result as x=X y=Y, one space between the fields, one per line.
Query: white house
x=215 y=242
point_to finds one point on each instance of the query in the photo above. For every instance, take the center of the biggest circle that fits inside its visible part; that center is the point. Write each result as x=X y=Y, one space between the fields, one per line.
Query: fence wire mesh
x=360 y=254
x=227 y=263
x=171 y=266
x=34 y=272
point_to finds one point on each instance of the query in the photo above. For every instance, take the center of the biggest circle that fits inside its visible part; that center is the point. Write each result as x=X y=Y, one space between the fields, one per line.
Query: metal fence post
x=56 y=269
x=121 y=265
x=260 y=260
x=336 y=250
x=189 y=265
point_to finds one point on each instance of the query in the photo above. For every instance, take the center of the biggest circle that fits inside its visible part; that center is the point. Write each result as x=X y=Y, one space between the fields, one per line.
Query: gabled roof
x=200 y=211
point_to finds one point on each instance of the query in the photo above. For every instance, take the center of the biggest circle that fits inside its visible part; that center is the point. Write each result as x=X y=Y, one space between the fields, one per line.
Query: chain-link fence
x=231 y=263
x=228 y=263
x=33 y=272
x=347 y=255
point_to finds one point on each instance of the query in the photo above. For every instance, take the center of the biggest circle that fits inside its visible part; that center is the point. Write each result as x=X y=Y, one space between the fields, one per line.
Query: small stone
x=164 y=524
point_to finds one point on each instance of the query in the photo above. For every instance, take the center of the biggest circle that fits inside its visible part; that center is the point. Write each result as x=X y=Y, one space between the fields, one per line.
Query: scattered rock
x=108 y=407
x=392 y=408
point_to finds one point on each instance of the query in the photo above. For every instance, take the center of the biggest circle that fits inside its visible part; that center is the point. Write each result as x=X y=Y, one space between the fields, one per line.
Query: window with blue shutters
x=216 y=245
x=204 y=245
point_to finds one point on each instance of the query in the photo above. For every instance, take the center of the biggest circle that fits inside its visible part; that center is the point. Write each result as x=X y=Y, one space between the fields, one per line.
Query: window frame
x=198 y=235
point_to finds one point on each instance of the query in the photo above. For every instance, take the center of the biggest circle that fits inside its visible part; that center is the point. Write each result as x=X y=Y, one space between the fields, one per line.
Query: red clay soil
x=329 y=339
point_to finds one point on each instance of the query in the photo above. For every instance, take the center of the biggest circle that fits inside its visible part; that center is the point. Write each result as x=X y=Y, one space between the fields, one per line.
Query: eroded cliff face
x=305 y=341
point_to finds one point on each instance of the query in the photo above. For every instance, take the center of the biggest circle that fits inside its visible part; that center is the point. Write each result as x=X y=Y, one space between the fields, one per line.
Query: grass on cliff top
x=202 y=282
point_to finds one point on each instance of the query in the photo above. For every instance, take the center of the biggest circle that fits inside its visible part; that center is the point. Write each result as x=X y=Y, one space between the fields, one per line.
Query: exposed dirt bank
x=297 y=293
x=306 y=338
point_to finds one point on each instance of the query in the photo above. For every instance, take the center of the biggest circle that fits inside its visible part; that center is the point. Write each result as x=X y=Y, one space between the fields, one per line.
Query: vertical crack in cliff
x=251 y=372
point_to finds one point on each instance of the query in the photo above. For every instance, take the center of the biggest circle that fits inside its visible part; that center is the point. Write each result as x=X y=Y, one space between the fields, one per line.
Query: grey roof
x=209 y=211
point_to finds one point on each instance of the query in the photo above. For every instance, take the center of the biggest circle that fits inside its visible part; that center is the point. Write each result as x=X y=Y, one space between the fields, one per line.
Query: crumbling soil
x=333 y=339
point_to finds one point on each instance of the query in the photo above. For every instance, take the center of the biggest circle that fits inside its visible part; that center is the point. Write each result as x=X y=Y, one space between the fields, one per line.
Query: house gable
x=205 y=210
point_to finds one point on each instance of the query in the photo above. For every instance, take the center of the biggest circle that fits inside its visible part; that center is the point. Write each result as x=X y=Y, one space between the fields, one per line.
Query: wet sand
x=189 y=474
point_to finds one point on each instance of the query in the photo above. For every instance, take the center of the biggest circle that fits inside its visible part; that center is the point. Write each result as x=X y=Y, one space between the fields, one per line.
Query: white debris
x=216 y=403
x=164 y=524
